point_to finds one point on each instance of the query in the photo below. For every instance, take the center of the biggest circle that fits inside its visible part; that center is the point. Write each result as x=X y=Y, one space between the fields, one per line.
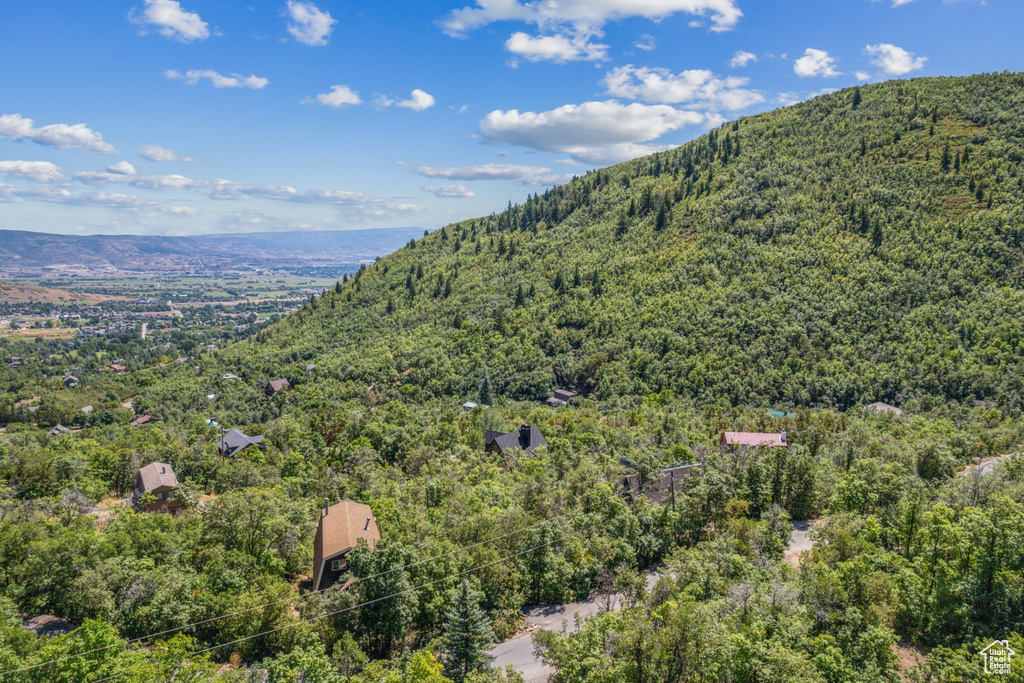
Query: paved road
x=518 y=651
x=799 y=542
x=987 y=466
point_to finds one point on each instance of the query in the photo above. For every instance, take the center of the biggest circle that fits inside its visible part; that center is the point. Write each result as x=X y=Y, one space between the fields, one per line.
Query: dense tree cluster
x=861 y=246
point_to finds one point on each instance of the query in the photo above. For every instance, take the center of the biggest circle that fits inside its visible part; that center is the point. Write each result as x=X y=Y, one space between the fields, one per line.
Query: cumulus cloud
x=122 y=167
x=62 y=135
x=592 y=132
x=156 y=153
x=218 y=80
x=39 y=171
x=862 y=76
x=171 y=21
x=556 y=48
x=458 y=190
x=339 y=96
x=894 y=61
x=309 y=24
x=586 y=16
x=418 y=101
x=816 y=63
x=698 y=88
x=741 y=59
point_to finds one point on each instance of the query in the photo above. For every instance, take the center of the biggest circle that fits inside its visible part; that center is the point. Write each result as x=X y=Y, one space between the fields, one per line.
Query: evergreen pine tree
x=485 y=396
x=622 y=226
x=467 y=635
x=662 y=220
x=946 y=159
x=520 y=297
x=876 y=235
x=576 y=279
x=856 y=97
x=559 y=284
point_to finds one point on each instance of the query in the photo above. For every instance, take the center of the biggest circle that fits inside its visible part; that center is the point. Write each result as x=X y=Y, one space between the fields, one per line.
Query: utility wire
x=367 y=602
x=292 y=598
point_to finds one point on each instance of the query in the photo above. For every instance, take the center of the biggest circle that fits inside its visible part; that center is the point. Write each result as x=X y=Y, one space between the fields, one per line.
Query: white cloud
x=39 y=171
x=647 y=42
x=530 y=176
x=458 y=190
x=171 y=21
x=741 y=59
x=217 y=80
x=816 y=63
x=62 y=135
x=556 y=48
x=223 y=189
x=310 y=25
x=789 y=98
x=338 y=97
x=700 y=89
x=862 y=76
x=894 y=61
x=586 y=16
x=592 y=132
x=483 y=172
x=122 y=167
x=156 y=153
x=418 y=101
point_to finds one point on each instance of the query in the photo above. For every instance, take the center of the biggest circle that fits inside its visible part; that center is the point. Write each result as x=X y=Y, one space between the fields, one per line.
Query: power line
x=367 y=602
x=289 y=599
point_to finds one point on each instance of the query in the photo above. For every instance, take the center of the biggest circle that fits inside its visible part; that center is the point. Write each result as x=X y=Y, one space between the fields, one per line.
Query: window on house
x=337 y=565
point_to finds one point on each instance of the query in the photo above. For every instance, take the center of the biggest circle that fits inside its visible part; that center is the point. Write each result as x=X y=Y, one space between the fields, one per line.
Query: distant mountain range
x=21 y=251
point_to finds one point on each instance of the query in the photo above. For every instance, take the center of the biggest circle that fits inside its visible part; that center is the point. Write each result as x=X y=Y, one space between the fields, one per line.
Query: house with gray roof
x=235 y=442
x=526 y=439
x=879 y=407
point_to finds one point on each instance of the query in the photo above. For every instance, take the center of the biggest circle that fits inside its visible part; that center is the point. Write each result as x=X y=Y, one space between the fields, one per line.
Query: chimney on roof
x=368 y=520
x=163 y=470
x=524 y=433
x=327 y=506
x=783 y=436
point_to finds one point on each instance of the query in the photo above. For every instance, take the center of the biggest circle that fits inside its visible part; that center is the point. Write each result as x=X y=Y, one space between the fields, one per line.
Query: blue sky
x=200 y=116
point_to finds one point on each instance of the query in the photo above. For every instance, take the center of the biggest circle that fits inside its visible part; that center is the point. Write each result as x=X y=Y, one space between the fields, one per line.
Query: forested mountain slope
x=865 y=245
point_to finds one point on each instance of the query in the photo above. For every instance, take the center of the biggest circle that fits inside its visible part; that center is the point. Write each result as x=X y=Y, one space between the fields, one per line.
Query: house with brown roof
x=157 y=478
x=526 y=438
x=735 y=440
x=141 y=420
x=58 y=430
x=276 y=385
x=560 y=398
x=341 y=527
x=118 y=369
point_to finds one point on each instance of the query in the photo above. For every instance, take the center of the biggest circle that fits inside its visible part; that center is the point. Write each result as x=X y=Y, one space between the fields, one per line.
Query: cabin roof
x=157 y=475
